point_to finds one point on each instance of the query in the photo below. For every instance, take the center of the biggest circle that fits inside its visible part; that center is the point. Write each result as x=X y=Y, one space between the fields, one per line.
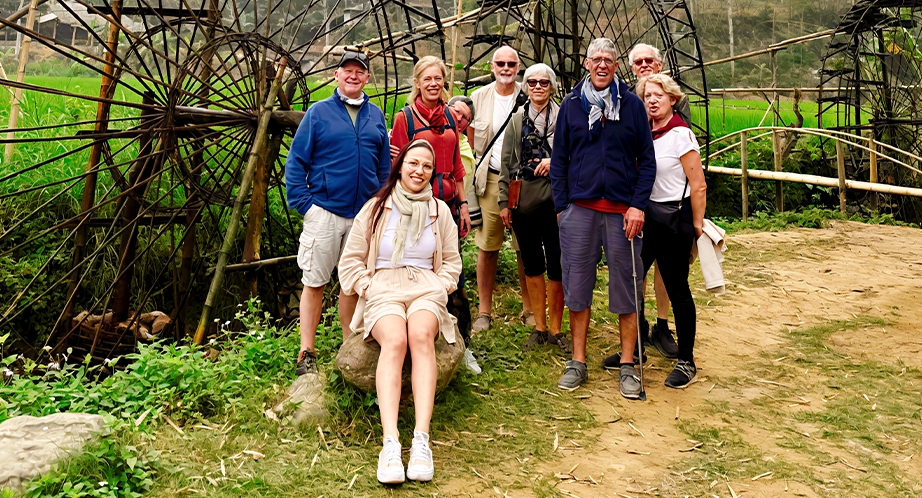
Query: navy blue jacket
x=335 y=164
x=617 y=165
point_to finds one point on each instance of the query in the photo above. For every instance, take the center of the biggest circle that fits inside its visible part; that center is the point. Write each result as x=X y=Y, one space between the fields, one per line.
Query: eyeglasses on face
x=541 y=83
x=509 y=64
x=598 y=61
x=414 y=164
x=644 y=60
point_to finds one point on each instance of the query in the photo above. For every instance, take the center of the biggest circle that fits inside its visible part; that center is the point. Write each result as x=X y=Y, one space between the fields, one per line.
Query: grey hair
x=539 y=68
x=464 y=99
x=641 y=46
x=604 y=45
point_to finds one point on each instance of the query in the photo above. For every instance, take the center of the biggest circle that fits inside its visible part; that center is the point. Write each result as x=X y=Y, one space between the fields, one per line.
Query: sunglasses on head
x=506 y=63
x=541 y=83
x=644 y=60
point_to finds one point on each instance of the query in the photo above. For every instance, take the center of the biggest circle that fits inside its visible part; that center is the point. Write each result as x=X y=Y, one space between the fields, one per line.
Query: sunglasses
x=510 y=64
x=646 y=60
x=541 y=83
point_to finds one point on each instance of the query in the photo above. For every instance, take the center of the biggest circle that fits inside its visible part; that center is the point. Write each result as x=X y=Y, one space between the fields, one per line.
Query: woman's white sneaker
x=420 y=467
x=390 y=465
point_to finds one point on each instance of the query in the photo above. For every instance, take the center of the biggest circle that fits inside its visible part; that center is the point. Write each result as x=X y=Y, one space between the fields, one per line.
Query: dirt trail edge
x=808 y=381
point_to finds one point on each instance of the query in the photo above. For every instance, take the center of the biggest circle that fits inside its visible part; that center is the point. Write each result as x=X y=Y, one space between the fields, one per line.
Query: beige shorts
x=321 y=242
x=491 y=233
x=402 y=292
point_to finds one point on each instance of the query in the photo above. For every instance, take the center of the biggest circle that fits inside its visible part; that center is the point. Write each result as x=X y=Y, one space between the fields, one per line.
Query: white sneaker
x=390 y=466
x=470 y=362
x=420 y=467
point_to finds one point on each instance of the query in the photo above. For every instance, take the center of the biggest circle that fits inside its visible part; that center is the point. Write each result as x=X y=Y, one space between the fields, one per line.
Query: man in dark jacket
x=602 y=172
x=339 y=158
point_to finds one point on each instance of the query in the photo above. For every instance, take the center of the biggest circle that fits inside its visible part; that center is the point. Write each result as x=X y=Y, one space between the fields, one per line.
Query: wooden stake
x=840 y=162
x=234 y=223
x=744 y=165
x=872 y=144
x=20 y=77
x=257 y=212
x=776 y=149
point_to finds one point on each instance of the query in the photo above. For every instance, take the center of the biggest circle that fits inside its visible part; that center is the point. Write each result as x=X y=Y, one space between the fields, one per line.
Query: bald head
x=505 y=66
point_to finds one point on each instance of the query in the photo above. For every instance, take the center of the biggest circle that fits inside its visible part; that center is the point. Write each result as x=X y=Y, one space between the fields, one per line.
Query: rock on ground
x=357 y=361
x=305 y=402
x=30 y=446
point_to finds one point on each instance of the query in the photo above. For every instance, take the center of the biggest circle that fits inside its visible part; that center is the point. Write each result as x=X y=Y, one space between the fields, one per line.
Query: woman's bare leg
x=391 y=333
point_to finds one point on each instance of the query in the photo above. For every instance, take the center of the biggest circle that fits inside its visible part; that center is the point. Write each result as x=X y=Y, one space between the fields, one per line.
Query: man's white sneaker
x=470 y=362
x=390 y=466
x=420 y=467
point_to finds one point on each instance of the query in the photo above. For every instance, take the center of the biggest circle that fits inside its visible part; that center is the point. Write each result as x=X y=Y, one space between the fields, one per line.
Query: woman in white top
x=402 y=259
x=675 y=215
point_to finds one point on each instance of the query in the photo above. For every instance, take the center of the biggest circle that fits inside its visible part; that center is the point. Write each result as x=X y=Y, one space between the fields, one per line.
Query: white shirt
x=670 y=176
x=418 y=255
x=501 y=107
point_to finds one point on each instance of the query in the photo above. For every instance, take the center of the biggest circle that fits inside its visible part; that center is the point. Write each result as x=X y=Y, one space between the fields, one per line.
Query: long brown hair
x=394 y=177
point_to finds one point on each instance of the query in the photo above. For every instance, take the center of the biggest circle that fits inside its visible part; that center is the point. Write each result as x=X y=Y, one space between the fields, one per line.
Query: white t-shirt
x=418 y=255
x=501 y=107
x=670 y=177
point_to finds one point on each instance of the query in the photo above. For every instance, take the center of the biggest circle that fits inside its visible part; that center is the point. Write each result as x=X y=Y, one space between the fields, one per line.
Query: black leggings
x=671 y=252
x=539 y=241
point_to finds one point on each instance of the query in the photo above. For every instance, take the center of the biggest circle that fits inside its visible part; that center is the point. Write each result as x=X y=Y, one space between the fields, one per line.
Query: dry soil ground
x=808 y=383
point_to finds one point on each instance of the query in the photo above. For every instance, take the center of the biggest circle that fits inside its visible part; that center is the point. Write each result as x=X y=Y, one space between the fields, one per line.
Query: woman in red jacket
x=426 y=105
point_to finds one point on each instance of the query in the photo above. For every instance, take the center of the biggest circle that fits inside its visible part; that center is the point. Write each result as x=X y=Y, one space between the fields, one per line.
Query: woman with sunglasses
x=402 y=260
x=526 y=205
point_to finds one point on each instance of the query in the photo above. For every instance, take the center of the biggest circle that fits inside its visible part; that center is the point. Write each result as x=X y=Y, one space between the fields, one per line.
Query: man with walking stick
x=602 y=172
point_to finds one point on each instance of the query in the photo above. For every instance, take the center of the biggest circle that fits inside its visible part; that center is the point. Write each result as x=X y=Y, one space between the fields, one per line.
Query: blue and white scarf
x=601 y=104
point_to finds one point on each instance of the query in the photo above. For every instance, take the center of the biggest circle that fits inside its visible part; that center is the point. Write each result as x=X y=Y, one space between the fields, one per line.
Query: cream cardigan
x=357 y=262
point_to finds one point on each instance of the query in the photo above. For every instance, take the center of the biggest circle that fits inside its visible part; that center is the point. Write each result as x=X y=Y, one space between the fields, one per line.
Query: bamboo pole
x=872 y=144
x=823 y=181
x=257 y=212
x=262 y=263
x=454 y=49
x=776 y=153
x=744 y=166
x=246 y=183
x=774 y=47
x=20 y=77
x=840 y=162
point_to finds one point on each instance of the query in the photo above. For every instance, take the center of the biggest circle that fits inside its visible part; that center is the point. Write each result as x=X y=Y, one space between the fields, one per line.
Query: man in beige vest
x=492 y=105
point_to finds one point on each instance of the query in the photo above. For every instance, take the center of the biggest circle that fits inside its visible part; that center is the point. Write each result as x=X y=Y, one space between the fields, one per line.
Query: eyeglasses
x=645 y=60
x=509 y=64
x=598 y=61
x=541 y=83
x=414 y=164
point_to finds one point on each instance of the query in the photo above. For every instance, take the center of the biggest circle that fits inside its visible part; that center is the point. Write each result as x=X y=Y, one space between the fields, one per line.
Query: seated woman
x=526 y=158
x=679 y=186
x=402 y=259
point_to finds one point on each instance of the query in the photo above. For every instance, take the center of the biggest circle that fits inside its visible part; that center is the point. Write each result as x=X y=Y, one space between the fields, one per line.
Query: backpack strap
x=411 y=129
x=451 y=120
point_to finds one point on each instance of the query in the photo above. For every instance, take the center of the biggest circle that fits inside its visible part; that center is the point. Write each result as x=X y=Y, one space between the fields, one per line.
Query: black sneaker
x=307 y=362
x=613 y=362
x=536 y=337
x=662 y=340
x=683 y=375
x=560 y=340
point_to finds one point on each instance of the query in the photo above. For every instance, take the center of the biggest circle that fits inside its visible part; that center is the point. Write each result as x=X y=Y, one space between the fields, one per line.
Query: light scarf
x=414 y=213
x=356 y=102
x=601 y=104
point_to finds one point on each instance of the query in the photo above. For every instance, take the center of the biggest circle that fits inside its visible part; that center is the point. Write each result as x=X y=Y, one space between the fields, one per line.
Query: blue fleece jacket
x=617 y=165
x=335 y=164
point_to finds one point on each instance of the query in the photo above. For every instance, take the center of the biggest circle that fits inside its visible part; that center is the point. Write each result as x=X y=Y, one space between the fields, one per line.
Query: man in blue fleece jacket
x=339 y=158
x=602 y=172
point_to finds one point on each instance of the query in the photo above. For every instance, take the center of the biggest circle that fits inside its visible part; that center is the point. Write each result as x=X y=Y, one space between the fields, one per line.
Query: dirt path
x=769 y=397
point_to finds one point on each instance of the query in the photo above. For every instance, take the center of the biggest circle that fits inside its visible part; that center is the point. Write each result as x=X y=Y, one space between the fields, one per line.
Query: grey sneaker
x=662 y=341
x=573 y=376
x=528 y=319
x=613 y=362
x=307 y=363
x=537 y=337
x=470 y=362
x=560 y=340
x=483 y=322
x=682 y=375
x=630 y=383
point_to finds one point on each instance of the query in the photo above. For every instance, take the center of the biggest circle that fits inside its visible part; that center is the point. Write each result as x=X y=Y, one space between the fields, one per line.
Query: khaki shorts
x=402 y=292
x=321 y=243
x=491 y=233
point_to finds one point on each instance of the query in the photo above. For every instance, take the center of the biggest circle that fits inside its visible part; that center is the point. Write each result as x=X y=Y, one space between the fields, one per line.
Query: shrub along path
x=808 y=383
